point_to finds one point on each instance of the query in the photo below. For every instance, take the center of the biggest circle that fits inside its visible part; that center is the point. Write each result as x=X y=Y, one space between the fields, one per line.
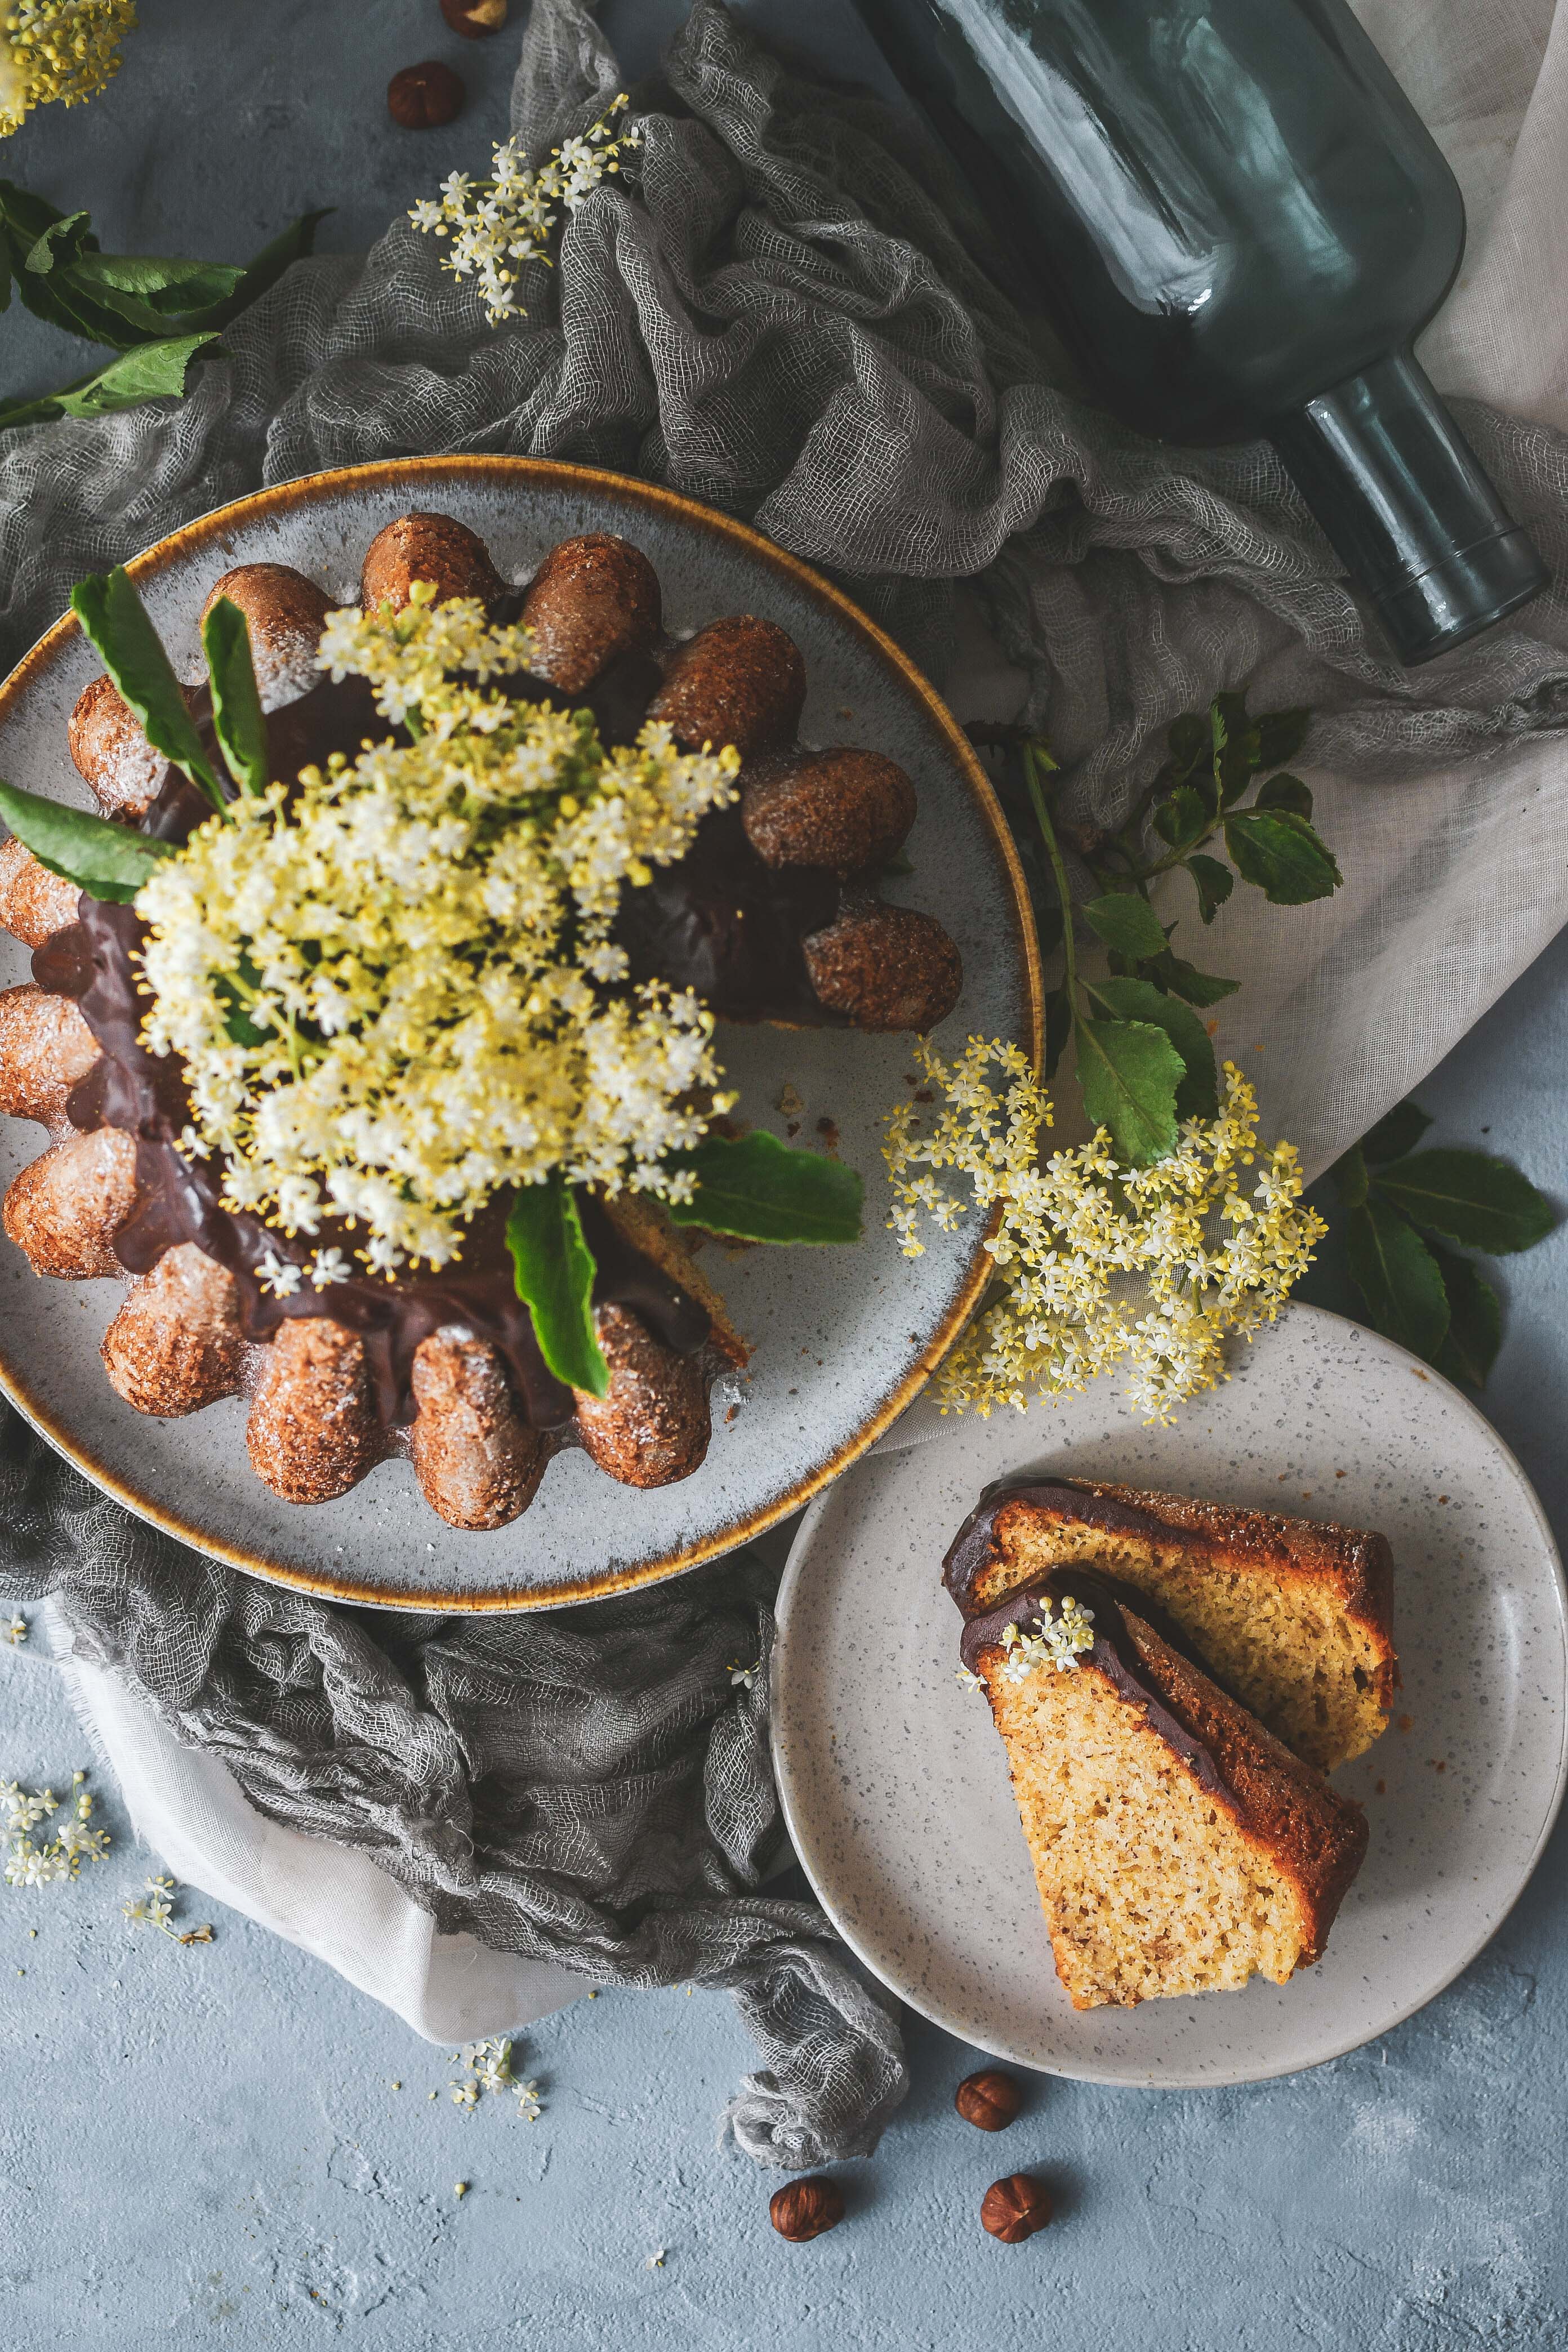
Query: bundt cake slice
x=1294 y=1616
x=1178 y=1847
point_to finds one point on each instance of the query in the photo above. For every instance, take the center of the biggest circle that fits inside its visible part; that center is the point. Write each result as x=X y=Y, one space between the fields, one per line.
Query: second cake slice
x=1178 y=1847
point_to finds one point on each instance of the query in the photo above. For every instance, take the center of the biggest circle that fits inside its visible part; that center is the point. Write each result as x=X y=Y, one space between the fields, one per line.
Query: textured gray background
x=204 y=2146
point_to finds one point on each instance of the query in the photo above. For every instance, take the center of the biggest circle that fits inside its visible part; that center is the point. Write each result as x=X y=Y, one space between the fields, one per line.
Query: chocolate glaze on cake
x=973 y=1547
x=1114 y=1652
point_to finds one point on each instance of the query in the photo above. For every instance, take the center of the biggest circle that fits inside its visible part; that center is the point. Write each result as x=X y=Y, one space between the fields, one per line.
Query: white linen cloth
x=1347 y=1004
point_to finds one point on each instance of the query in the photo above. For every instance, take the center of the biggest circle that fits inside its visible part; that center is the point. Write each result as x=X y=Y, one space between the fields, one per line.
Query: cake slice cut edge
x=1295 y=1616
x=1178 y=1846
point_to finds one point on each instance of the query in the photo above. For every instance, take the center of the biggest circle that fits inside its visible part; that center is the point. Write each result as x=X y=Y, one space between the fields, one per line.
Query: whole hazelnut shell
x=475 y=19
x=1013 y=2209
x=989 y=2100
x=804 y=2209
x=424 y=97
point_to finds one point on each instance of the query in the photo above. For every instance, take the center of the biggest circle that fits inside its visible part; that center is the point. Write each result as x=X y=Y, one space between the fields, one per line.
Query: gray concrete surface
x=204 y=2146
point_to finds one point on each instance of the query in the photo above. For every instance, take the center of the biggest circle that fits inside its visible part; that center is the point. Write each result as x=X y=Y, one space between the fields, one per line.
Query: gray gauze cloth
x=788 y=314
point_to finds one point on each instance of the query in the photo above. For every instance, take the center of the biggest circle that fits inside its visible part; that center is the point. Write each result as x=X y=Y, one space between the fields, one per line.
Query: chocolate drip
x=724 y=924
x=974 y=1547
x=1115 y=1653
x=179 y=1200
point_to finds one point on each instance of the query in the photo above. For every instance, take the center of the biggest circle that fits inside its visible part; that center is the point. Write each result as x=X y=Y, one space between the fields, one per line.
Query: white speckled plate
x=895 y=1784
x=842 y=1338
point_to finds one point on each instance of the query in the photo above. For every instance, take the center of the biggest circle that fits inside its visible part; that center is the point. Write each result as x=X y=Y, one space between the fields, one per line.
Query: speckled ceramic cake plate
x=842 y=1338
x=894 y=1783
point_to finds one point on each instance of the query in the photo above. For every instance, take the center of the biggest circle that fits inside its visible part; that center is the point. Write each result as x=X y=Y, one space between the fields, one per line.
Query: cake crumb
x=1407 y=1722
x=1382 y=1788
x=828 y=1130
x=790 y=1102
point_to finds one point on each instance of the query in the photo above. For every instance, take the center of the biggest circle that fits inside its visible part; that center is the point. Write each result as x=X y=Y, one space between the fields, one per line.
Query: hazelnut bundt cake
x=1294 y=1616
x=772 y=914
x=1178 y=1846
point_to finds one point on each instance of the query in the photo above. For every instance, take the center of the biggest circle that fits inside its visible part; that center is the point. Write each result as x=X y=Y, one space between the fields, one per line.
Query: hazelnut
x=990 y=2100
x=1013 y=2209
x=422 y=98
x=806 y=2208
x=475 y=19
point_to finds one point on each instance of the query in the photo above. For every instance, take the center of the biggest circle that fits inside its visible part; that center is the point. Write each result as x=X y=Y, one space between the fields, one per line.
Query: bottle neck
x=1402 y=497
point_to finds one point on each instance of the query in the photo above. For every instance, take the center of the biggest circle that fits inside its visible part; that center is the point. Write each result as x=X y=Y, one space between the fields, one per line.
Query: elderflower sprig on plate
x=1097 y=1265
x=61 y=1854
x=498 y=225
x=388 y=989
x=63 y=50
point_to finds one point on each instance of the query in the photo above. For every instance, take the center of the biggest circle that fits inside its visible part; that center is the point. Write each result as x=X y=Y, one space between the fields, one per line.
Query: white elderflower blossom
x=16 y=1631
x=27 y=1863
x=419 y=942
x=1097 y=1265
x=487 y=2066
x=1056 y=1642
x=500 y=225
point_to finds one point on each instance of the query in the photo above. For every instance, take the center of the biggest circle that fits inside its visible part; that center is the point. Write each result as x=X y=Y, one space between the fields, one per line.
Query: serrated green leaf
x=150 y=372
x=1129 y=1072
x=1469 y=1197
x=1214 y=882
x=1188 y=741
x=1059 y=1029
x=1286 y=792
x=1128 y=925
x=553 y=1269
x=1279 y=853
x=1397 y=1276
x=1198 y=1095
x=1193 y=987
x=1475 y=1320
x=761 y=1190
x=1280 y=735
x=116 y=620
x=59 y=244
x=1183 y=819
x=107 y=861
x=1235 y=747
x=1398 y=1132
x=237 y=722
x=1349 y=1172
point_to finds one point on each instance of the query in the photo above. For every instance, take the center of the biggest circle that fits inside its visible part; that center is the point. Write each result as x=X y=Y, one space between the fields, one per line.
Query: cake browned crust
x=1293 y=1615
x=1178 y=1846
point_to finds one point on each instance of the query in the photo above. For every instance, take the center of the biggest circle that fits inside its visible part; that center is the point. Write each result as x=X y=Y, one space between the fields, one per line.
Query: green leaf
x=1188 y=740
x=1200 y=988
x=761 y=1190
x=1475 y=1320
x=237 y=721
x=1398 y=1277
x=1183 y=819
x=1469 y=1197
x=1349 y=1172
x=1280 y=735
x=553 y=1268
x=59 y=245
x=1129 y=1071
x=1399 y=1130
x=1128 y=925
x=1278 y=851
x=107 y=861
x=114 y=617
x=1197 y=1096
x=1214 y=884
x=1059 y=1029
x=1235 y=747
x=151 y=371
x=1286 y=792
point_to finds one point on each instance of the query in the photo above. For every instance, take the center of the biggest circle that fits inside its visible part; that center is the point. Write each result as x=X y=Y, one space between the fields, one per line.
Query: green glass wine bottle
x=1240 y=223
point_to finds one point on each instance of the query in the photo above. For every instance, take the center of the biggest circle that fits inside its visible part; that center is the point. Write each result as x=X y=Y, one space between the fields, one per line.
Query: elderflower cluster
x=498 y=225
x=1098 y=1266
x=395 y=991
x=487 y=2066
x=61 y=1854
x=64 y=50
x=1056 y=1642
x=155 y=1908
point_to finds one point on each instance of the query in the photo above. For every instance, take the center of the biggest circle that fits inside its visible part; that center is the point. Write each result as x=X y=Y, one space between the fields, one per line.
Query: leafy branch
x=1144 y=1059
x=1398 y=1202
x=156 y=312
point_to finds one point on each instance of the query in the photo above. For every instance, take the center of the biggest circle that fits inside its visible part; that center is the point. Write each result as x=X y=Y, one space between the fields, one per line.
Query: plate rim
x=190 y=538
x=1176 y=2079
